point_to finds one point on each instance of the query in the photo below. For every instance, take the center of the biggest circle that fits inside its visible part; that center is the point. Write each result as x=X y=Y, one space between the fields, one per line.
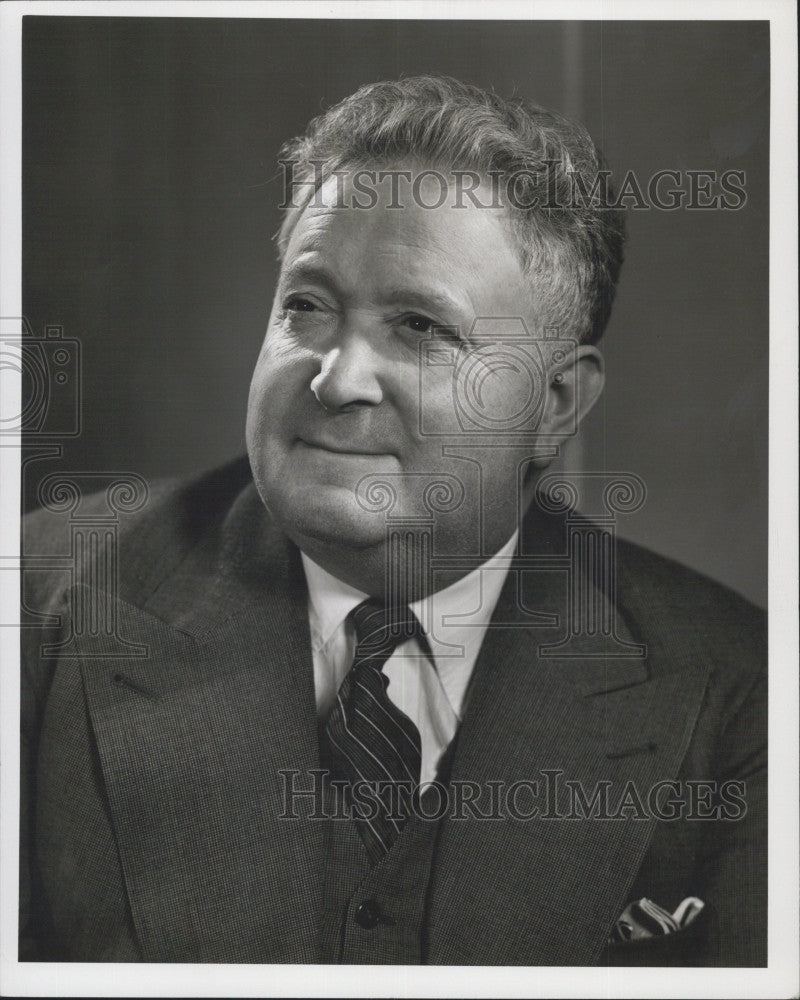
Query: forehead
x=456 y=240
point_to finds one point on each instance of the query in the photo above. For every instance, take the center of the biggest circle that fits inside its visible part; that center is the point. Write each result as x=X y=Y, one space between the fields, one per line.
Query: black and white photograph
x=399 y=449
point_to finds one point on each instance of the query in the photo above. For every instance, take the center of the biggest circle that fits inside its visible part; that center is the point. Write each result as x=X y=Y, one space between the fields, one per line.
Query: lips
x=343 y=448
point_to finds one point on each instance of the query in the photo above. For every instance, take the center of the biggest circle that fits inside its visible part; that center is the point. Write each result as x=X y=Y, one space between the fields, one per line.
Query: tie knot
x=381 y=627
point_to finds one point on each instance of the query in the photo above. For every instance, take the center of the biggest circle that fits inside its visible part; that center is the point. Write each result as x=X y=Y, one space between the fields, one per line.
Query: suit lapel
x=192 y=741
x=546 y=890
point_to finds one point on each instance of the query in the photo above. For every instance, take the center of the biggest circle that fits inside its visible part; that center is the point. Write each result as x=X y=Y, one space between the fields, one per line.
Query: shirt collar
x=330 y=601
x=454 y=619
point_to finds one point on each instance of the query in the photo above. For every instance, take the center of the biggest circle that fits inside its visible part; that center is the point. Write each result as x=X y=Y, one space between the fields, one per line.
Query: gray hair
x=569 y=236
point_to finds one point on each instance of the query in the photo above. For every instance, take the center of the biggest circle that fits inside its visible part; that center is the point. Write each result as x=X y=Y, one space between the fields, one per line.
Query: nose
x=349 y=373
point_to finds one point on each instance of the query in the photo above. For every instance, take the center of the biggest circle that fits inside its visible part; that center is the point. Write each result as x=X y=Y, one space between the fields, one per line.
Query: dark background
x=150 y=194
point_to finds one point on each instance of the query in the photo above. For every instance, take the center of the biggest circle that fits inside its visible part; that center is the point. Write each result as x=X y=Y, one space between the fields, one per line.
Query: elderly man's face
x=336 y=393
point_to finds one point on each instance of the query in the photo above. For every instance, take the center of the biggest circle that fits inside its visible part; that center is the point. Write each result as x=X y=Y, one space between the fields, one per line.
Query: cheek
x=282 y=373
x=279 y=392
x=502 y=392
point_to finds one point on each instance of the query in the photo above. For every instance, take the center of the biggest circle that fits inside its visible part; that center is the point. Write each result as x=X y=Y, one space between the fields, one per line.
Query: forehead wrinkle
x=312 y=260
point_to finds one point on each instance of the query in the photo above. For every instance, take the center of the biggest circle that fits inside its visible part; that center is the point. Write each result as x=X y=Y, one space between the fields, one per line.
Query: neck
x=399 y=570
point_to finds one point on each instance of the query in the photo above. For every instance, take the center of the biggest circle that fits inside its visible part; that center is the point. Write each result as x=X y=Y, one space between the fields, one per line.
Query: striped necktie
x=371 y=742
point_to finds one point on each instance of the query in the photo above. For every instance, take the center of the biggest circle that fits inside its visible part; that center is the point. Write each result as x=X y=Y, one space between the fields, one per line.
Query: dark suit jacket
x=151 y=788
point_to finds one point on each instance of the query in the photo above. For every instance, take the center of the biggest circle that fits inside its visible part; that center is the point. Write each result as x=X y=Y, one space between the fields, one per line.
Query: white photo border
x=780 y=978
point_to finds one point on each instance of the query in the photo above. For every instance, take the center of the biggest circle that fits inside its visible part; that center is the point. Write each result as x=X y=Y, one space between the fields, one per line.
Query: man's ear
x=573 y=386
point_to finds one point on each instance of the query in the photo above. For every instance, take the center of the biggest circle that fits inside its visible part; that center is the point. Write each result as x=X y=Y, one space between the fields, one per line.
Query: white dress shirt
x=431 y=695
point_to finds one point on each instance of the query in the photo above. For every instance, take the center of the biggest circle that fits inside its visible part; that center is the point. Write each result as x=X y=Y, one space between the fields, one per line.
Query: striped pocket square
x=646 y=919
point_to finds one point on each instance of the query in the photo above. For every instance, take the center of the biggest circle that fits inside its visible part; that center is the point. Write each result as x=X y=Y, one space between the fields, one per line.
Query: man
x=390 y=698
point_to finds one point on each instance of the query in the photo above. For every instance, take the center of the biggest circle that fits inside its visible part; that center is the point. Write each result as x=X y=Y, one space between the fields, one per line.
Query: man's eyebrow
x=308 y=272
x=421 y=296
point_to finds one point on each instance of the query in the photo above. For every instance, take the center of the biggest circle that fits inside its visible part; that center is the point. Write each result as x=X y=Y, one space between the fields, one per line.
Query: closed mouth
x=341 y=449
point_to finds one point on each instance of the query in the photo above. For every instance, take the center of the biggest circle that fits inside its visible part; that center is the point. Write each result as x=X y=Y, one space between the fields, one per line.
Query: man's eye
x=299 y=304
x=419 y=324
x=424 y=324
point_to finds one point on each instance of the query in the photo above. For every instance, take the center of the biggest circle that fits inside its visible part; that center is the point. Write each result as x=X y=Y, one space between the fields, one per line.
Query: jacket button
x=368 y=914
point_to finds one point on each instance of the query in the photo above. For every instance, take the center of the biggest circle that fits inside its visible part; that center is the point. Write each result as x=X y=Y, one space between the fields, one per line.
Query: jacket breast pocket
x=686 y=947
